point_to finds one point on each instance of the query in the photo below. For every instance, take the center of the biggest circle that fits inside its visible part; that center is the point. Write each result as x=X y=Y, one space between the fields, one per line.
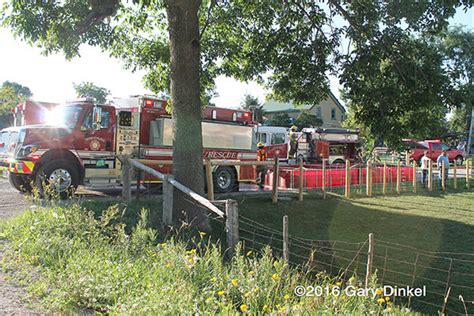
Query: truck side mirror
x=97 y=118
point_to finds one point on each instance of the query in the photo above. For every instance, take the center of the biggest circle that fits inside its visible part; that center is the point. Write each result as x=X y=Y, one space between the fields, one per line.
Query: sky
x=51 y=78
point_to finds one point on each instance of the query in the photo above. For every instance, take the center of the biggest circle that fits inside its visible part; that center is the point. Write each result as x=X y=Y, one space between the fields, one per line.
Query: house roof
x=276 y=106
x=272 y=106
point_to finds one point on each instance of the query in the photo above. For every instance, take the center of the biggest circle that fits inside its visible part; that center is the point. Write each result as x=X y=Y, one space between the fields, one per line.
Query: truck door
x=101 y=139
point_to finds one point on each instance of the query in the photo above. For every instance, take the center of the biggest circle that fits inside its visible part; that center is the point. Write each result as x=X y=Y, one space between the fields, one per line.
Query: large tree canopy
x=290 y=46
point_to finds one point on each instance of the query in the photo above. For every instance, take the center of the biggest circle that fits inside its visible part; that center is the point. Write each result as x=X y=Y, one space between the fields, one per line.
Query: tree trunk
x=187 y=114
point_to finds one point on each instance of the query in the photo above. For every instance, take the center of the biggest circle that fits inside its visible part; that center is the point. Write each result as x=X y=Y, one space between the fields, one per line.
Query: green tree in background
x=306 y=119
x=281 y=119
x=251 y=103
x=457 y=46
x=11 y=93
x=90 y=90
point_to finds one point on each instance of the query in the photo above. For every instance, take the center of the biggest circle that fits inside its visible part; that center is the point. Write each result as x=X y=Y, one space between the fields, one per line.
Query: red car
x=434 y=148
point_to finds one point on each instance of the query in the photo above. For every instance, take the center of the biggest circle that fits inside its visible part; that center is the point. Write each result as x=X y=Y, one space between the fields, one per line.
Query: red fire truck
x=80 y=142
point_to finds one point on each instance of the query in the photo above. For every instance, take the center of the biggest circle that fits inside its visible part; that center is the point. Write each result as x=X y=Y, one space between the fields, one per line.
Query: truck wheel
x=20 y=182
x=338 y=162
x=458 y=160
x=225 y=179
x=60 y=176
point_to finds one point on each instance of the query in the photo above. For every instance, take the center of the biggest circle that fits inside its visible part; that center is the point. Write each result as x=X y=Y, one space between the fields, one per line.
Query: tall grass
x=87 y=261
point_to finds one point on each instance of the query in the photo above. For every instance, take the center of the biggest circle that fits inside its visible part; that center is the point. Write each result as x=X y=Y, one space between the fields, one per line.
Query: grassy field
x=439 y=225
x=86 y=263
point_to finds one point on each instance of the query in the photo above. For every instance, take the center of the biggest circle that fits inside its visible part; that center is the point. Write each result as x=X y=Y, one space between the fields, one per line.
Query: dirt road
x=11 y=296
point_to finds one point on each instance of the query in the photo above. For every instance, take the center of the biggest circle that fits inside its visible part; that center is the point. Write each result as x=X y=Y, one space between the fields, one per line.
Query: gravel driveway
x=11 y=203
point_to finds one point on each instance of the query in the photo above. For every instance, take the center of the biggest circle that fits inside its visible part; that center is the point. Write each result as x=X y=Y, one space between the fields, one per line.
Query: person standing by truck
x=293 y=142
x=443 y=160
x=425 y=161
x=262 y=155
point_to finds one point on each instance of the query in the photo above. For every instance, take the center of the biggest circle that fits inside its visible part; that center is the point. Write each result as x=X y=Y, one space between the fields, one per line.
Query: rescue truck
x=314 y=144
x=80 y=141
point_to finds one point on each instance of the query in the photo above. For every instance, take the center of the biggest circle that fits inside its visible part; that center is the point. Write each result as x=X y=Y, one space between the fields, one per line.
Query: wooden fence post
x=430 y=175
x=167 y=200
x=126 y=179
x=286 y=249
x=455 y=178
x=399 y=175
x=384 y=178
x=301 y=182
x=468 y=175
x=275 y=181
x=210 y=180
x=370 y=259
x=232 y=225
x=323 y=185
x=368 y=181
x=443 y=179
x=347 y=192
x=414 y=176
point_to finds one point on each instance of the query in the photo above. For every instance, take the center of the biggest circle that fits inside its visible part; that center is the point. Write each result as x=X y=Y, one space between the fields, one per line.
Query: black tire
x=20 y=182
x=225 y=179
x=338 y=162
x=67 y=178
x=458 y=160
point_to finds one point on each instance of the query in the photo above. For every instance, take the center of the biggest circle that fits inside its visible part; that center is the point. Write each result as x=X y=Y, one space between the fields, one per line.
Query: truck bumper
x=15 y=166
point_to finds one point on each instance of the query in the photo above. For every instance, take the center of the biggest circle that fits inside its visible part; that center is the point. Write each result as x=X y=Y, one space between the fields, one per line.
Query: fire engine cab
x=80 y=141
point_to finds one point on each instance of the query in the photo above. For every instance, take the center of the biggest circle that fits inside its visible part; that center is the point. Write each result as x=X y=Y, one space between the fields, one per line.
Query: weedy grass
x=89 y=261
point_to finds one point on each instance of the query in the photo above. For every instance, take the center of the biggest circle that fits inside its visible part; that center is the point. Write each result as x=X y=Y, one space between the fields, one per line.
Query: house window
x=318 y=112
x=333 y=113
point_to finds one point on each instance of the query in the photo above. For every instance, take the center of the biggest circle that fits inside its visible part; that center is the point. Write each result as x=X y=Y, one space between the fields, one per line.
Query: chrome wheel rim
x=60 y=180
x=224 y=179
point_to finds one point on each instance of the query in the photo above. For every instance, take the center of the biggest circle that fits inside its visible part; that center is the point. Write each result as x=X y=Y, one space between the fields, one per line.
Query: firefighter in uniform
x=293 y=142
x=261 y=170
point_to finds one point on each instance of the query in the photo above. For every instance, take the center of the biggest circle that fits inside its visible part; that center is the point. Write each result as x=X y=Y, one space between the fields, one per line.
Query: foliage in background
x=90 y=90
x=87 y=262
x=251 y=103
x=281 y=119
x=457 y=46
x=306 y=119
x=11 y=93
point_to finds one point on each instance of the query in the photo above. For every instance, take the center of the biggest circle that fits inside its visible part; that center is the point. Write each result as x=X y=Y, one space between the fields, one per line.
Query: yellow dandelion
x=251 y=273
x=191 y=260
x=214 y=279
x=249 y=253
x=378 y=292
x=265 y=308
x=387 y=298
x=247 y=294
x=256 y=289
x=221 y=293
x=275 y=277
x=243 y=308
x=209 y=300
x=234 y=282
x=338 y=283
x=191 y=252
x=168 y=265
x=202 y=234
x=282 y=307
x=381 y=300
x=286 y=297
x=163 y=244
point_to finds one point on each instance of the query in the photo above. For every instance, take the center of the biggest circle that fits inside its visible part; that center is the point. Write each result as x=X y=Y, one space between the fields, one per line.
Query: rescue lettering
x=221 y=154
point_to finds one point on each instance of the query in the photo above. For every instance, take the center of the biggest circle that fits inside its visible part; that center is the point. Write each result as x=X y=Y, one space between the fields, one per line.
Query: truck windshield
x=66 y=115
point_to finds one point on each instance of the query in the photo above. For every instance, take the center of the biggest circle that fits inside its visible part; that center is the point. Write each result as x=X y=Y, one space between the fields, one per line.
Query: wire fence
x=444 y=276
